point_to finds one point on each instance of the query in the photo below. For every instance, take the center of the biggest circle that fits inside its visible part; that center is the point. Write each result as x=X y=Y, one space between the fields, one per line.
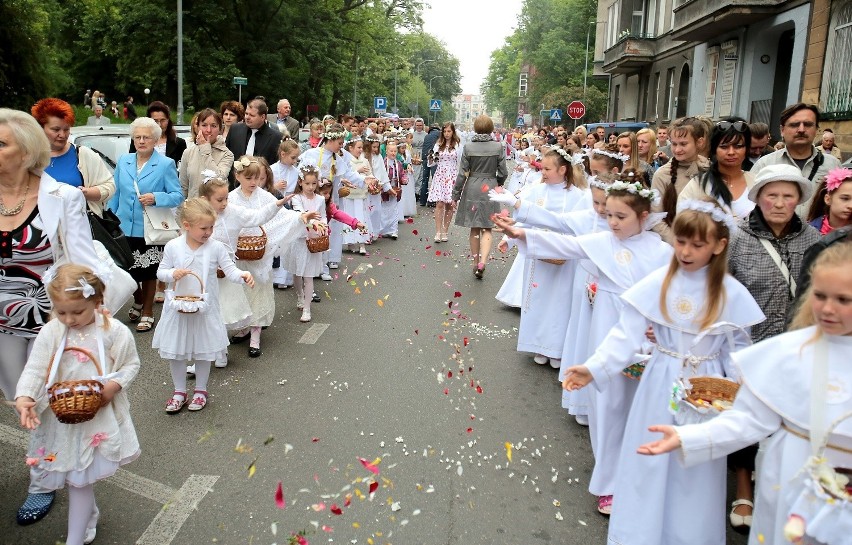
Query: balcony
x=700 y=20
x=629 y=54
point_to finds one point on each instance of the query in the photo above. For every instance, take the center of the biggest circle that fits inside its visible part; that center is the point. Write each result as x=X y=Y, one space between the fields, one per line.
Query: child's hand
x=507 y=224
x=576 y=377
x=347 y=183
x=361 y=227
x=248 y=279
x=26 y=408
x=180 y=273
x=394 y=192
x=309 y=216
x=321 y=228
x=503 y=246
x=669 y=442
x=649 y=334
x=363 y=169
x=110 y=389
x=280 y=185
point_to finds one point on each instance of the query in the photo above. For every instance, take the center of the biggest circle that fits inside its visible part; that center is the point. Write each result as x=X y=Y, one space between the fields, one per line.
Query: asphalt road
x=415 y=386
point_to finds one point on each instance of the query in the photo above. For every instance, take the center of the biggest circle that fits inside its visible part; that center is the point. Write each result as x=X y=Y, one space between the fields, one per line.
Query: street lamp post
x=430 y=91
x=180 y=62
x=417 y=104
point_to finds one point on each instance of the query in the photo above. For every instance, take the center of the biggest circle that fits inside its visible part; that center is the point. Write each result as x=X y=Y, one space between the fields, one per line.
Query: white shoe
x=326 y=276
x=221 y=363
x=362 y=250
x=333 y=265
x=300 y=302
x=541 y=360
x=740 y=523
x=555 y=363
x=582 y=419
x=306 y=316
x=190 y=369
x=92 y=527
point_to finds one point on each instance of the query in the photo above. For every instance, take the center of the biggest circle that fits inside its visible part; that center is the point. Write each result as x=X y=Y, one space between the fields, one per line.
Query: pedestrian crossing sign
x=556 y=114
x=434 y=105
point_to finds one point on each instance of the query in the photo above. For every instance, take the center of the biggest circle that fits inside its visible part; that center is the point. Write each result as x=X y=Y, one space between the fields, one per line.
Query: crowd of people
x=647 y=262
x=645 y=271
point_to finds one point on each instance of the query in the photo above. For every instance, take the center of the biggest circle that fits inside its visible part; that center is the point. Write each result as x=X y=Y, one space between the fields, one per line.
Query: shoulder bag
x=160 y=223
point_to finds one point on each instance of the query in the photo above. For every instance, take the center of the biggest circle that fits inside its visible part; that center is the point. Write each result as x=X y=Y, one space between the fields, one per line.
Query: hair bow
x=84 y=287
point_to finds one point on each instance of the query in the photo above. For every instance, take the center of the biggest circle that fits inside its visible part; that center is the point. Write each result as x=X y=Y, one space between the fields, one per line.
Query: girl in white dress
x=230 y=220
x=372 y=152
x=796 y=398
x=699 y=314
x=78 y=455
x=408 y=204
x=623 y=255
x=285 y=174
x=193 y=331
x=547 y=284
x=304 y=264
x=355 y=202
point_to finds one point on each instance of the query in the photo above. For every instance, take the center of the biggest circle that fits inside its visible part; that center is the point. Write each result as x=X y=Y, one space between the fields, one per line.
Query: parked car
x=617 y=127
x=112 y=141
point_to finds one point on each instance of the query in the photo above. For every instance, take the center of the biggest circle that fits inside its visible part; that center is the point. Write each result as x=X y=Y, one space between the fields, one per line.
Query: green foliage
x=551 y=38
x=305 y=52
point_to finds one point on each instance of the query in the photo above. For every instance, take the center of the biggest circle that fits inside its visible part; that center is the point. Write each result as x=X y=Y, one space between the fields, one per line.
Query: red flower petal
x=478 y=389
x=374 y=486
x=369 y=466
x=450 y=374
x=457 y=294
x=409 y=220
x=279 y=497
x=438 y=253
x=446 y=391
x=414 y=232
x=315 y=440
x=335 y=509
x=485 y=188
x=466 y=341
x=469 y=430
x=347 y=501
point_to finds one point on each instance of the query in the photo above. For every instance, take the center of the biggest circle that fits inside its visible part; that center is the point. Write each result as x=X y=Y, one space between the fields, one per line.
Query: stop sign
x=576 y=110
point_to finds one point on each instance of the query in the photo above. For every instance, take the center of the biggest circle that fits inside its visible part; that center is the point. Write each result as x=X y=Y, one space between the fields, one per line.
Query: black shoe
x=35 y=508
x=316 y=298
x=237 y=339
x=254 y=352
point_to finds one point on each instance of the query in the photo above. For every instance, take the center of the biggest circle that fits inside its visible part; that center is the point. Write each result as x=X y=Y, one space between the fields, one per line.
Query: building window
x=669 y=100
x=656 y=96
x=522 y=85
x=836 y=92
x=638 y=20
x=613 y=23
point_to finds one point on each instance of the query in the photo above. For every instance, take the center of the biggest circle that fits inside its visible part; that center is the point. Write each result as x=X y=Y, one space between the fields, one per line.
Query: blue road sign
x=520 y=122
x=380 y=104
x=434 y=105
x=556 y=114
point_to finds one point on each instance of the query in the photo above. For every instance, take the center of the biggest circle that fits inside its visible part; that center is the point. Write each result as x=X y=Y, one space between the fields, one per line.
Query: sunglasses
x=739 y=126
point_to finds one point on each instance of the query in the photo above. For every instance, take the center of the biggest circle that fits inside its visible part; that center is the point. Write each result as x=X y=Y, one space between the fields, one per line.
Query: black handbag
x=107 y=231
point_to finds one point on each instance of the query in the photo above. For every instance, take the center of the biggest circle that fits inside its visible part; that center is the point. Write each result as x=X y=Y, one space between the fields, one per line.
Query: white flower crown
x=564 y=154
x=709 y=208
x=333 y=135
x=614 y=154
x=634 y=188
x=307 y=169
x=243 y=162
x=600 y=184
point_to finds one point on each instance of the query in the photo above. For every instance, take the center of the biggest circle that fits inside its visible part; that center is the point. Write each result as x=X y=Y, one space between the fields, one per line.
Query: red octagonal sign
x=576 y=110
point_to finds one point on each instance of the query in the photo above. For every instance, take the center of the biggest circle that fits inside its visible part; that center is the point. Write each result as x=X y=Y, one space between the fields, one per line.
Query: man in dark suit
x=428 y=143
x=253 y=136
x=282 y=119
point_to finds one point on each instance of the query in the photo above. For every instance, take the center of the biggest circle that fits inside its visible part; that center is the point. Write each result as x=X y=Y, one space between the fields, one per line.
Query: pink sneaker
x=605 y=505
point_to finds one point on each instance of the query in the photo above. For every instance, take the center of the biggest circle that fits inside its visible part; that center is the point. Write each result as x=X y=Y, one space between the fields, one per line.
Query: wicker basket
x=220 y=273
x=343 y=192
x=197 y=298
x=75 y=401
x=251 y=247
x=709 y=389
x=318 y=244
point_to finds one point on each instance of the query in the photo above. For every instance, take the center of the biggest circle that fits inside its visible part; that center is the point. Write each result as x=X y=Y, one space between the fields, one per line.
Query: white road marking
x=166 y=525
x=313 y=334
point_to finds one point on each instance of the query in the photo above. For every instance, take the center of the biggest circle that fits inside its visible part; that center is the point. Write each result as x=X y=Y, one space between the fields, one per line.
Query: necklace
x=18 y=207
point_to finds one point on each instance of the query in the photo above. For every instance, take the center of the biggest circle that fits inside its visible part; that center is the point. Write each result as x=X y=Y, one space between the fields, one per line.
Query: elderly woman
x=74 y=165
x=158 y=185
x=231 y=112
x=41 y=221
x=766 y=257
x=169 y=143
x=208 y=155
x=483 y=167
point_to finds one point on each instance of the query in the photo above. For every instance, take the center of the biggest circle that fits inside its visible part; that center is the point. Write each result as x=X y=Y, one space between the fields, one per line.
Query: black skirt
x=146 y=259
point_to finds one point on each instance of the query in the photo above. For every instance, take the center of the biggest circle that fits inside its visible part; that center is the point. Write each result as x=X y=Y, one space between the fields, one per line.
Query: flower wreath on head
x=372 y=138
x=562 y=153
x=634 y=188
x=711 y=209
x=328 y=135
x=600 y=184
x=243 y=162
x=614 y=154
x=308 y=169
x=836 y=177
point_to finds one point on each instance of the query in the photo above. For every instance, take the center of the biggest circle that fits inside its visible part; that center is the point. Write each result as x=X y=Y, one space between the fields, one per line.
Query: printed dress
x=441 y=189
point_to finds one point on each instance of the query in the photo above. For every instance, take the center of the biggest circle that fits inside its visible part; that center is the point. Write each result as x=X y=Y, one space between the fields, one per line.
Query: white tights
x=202 y=374
x=304 y=289
x=82 y=512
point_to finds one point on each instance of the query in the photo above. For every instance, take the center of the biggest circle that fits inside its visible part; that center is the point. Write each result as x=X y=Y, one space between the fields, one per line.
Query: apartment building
x=467 y=107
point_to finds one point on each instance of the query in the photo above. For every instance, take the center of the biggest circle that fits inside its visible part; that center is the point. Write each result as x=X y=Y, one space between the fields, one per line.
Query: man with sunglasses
x=799 y=124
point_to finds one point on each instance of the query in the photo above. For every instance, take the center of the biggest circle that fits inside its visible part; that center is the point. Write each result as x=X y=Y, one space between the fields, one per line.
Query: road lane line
x=124 y=479
x=166 y=525
x=313 y=334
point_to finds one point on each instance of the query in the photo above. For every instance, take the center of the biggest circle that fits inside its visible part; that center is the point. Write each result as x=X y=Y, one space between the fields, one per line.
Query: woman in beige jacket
x=208 y=154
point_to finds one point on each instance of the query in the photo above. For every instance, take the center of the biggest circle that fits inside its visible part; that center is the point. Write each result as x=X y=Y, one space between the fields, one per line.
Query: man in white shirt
x=282 y=120
x=98 y=119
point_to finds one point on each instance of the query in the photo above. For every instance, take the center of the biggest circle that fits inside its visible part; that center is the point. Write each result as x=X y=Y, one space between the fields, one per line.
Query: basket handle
x=193 y=273
x=54 y=359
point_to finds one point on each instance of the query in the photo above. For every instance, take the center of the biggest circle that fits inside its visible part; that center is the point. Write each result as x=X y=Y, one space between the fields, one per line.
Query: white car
x=112 y=141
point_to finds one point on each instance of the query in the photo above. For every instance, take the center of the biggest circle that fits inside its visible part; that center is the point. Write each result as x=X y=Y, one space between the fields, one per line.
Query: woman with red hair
x=74 y=165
